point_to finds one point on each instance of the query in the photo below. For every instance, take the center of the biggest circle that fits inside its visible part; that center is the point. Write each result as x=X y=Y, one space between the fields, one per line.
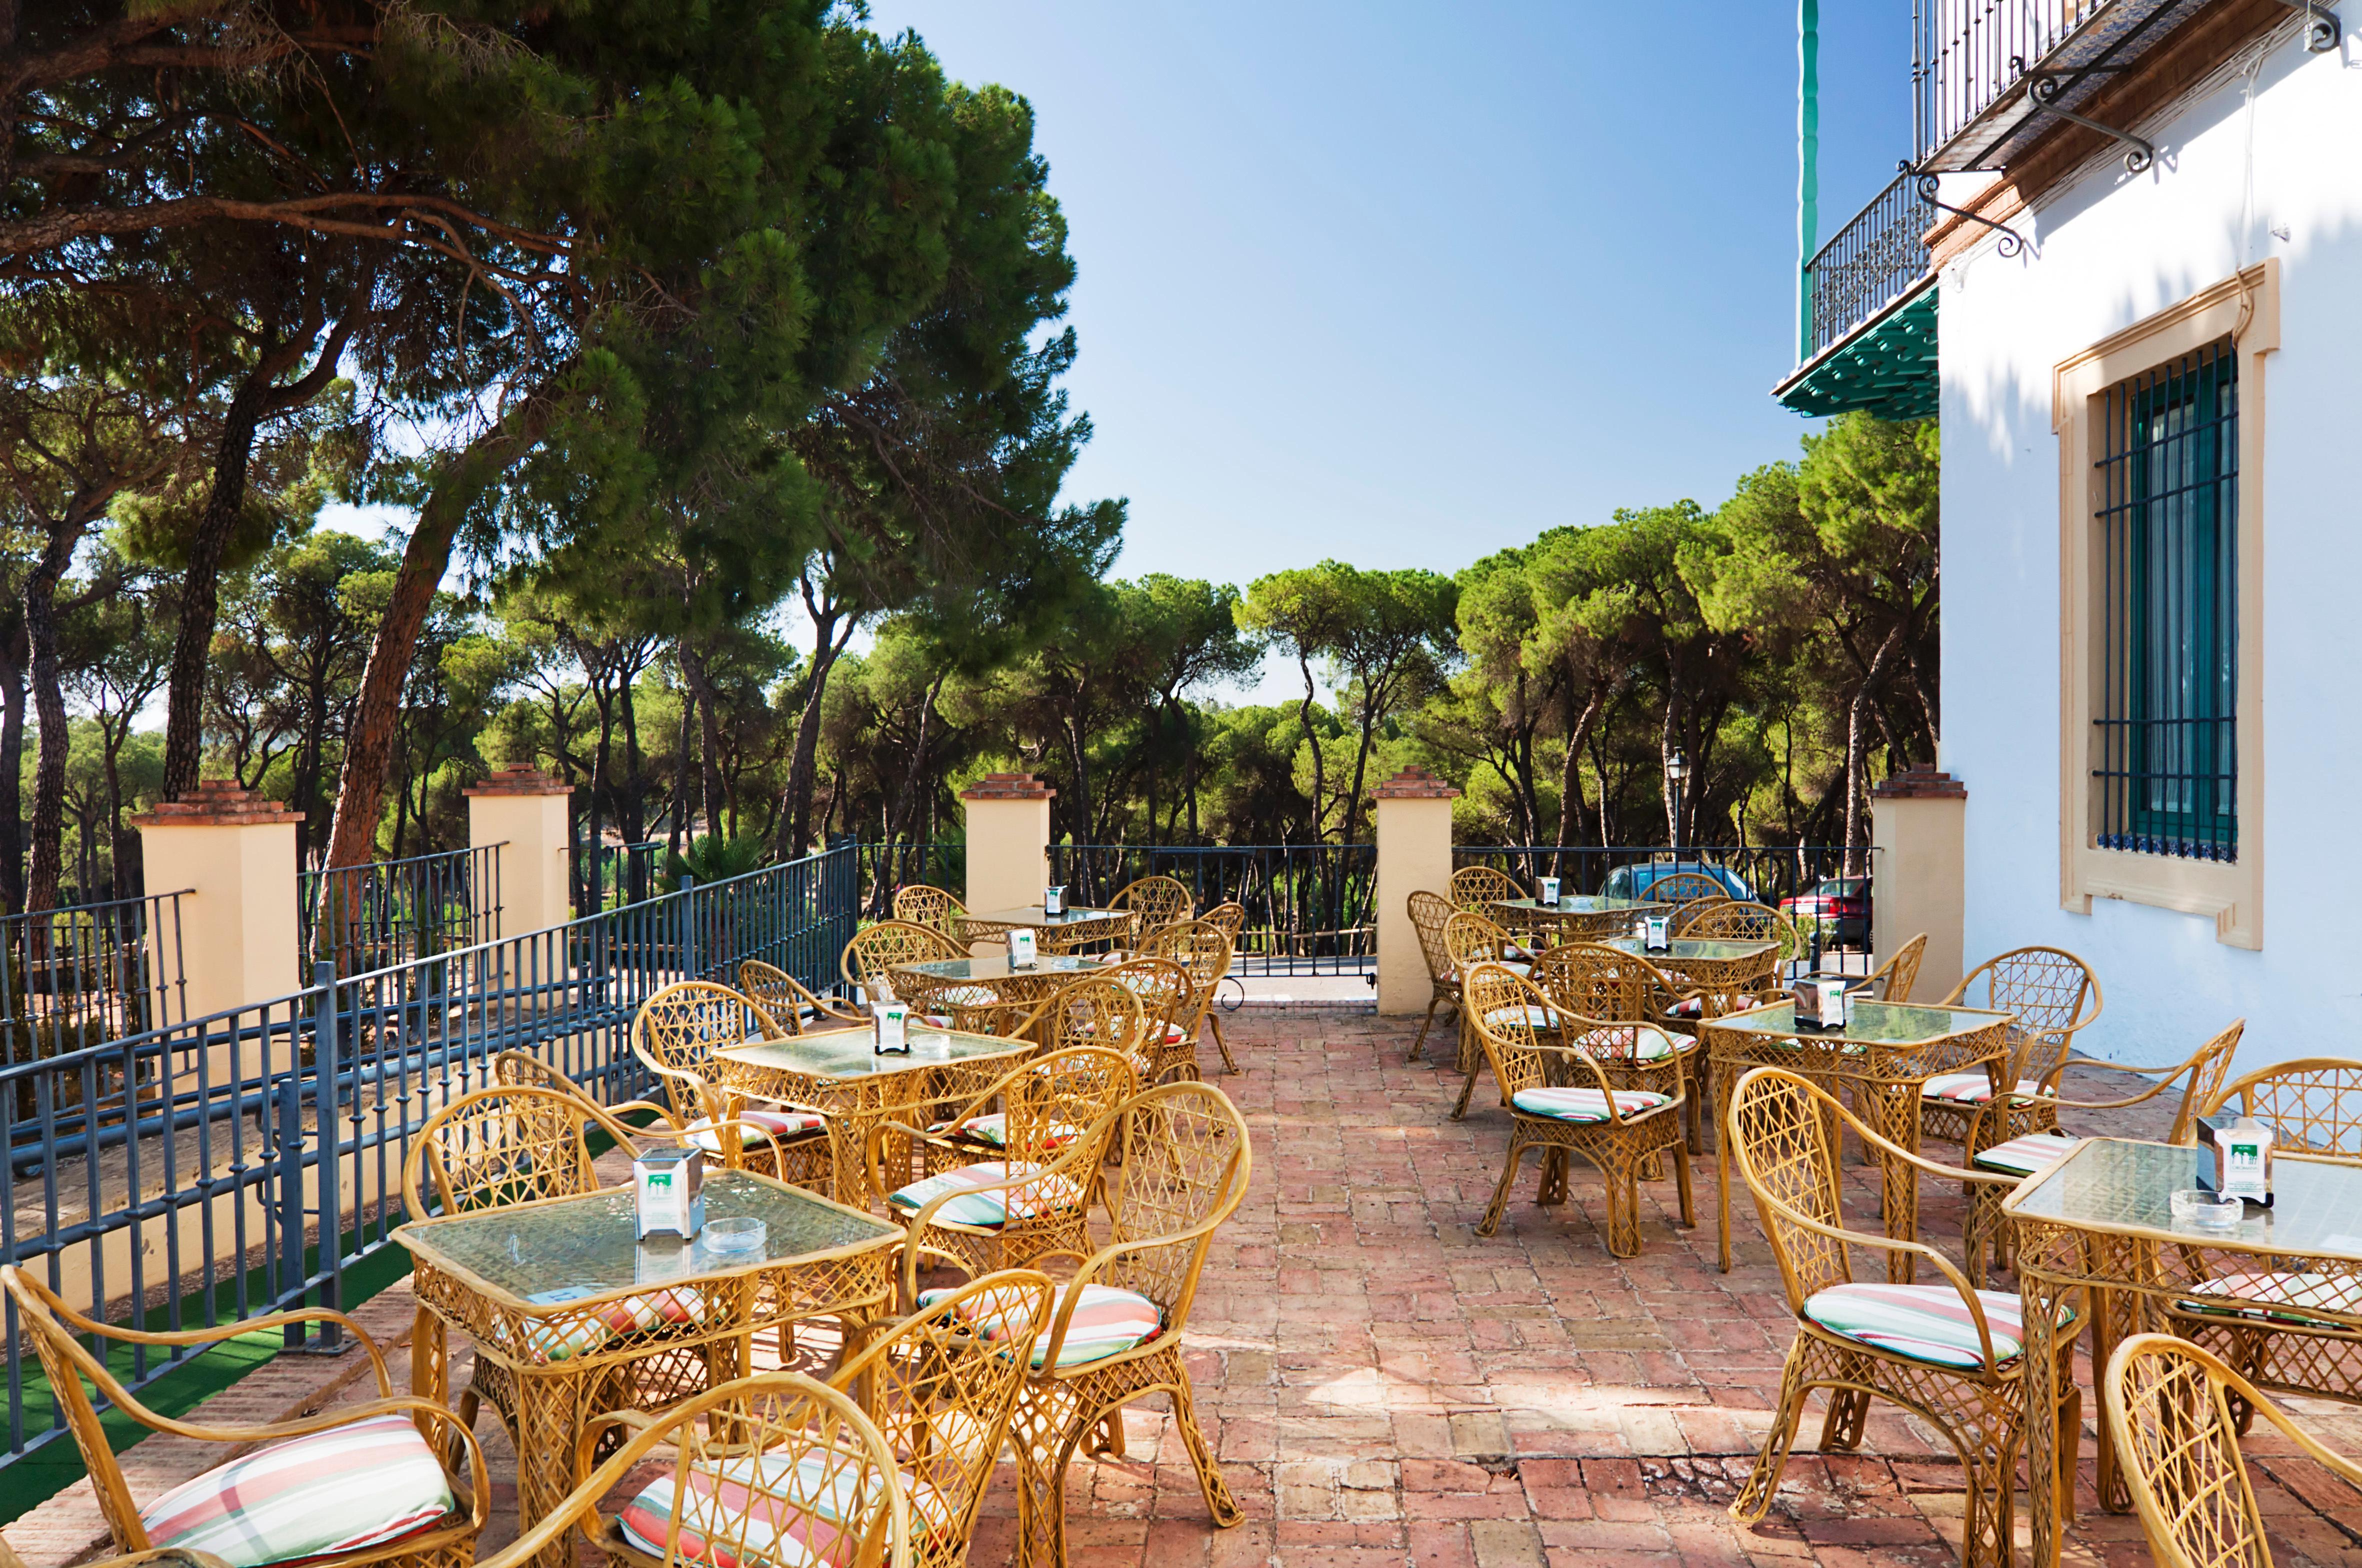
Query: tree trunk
x=49 y=702
x=1570 y=779
x=376 y=712
x=1857 y=723
x=794 y=836
x=709 y=726
x=13 y=657
x=680 y=814
x=1312 y=738
x=184 y=722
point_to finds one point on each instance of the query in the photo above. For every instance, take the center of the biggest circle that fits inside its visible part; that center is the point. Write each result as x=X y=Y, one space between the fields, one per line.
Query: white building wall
x=2237 y=170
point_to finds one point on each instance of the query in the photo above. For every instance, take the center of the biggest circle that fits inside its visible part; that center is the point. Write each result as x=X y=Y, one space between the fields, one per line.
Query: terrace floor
x=1390 y=1390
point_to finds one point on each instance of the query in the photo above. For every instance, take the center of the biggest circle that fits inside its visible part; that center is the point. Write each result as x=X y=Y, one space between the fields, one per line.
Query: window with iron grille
x=2166 y=751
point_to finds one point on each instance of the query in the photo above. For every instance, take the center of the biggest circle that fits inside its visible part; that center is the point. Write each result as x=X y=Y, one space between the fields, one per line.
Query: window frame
x=2245 y=308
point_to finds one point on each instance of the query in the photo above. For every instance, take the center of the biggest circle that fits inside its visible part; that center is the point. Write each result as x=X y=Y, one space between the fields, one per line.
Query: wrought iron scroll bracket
x=2011 y=243
x=2322 y=25
x=2138 y=153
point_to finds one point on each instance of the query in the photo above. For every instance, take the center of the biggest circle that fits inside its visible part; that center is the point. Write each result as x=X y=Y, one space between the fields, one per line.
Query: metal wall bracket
x=2011 y=242
x=2322 y=26
x=2138 y=153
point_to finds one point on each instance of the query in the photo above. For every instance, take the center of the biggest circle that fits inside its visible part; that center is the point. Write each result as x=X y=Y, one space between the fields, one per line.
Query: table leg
x=2116 y=1316
x=549 y=1421
x=2044 y=1507
x=1894 y=1109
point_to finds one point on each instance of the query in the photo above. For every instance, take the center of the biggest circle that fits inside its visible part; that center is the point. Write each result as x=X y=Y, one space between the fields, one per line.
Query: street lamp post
x=1677 y=772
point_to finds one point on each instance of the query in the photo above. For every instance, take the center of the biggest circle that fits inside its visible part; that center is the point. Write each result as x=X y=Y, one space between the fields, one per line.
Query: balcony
x=1869 y=323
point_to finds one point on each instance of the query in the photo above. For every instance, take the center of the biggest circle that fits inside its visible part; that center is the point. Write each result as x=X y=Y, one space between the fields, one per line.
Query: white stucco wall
x=2113 y=249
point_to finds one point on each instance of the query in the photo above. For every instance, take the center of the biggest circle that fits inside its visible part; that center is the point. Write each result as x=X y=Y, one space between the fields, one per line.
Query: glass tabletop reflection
x=998 y=968
x=1871 y=1022
x=1579 y=904
x=1705 y=947
x=849 y=1053
x=1036 y=915
x=569 y=1248
x=2116 y=1184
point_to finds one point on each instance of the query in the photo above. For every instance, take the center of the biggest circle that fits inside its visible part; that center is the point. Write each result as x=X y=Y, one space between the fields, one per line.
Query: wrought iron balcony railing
x=1867 y=265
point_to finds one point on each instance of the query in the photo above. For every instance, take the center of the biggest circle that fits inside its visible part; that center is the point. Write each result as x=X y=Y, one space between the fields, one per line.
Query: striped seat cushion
x=994 y=1129
x=1533 y=1017
x=2278 y=1297
x=1107 y=1321
x=766 y=1511
x=1971 y=1088
x=990 y=1211
x=2023 y=1156
x=1695 y=1006
x=563 y=1341
x=1925 y=1322
x=346 y=1489
x=1635 y=1042
x=1584 y=1104
x=780 y=1124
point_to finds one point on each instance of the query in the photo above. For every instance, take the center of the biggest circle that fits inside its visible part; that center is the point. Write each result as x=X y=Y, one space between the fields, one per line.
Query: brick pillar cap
x=1920 y=784
x=1415 y=783
x=218 y=802
x=1008 y=787
x=522 y=779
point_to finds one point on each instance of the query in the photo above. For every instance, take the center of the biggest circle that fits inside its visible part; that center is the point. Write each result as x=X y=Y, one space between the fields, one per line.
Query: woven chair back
x=782 y=1003
x=1477 y=886
x=1229 y=919
x=1781 y=1134
x=1185 y=1169
x=2202 y=1076
x=2052 y=994
x=1197 y=945
x=874 y=951
x=2174 y=1412
x=1167 y=993
x=2314 y=1104
x=1468 y=938
x=1901 y=973
x=1060 y=1096
x=493 y=1147
x=1428 y=913
x=1511 y=1016
x=1682 y=887
x=1155 y=902
x=921 y=904
x=1094 y=1010
x=1600 y=982
x=677 y=1033
x=523 y=1070
x=941 y=1386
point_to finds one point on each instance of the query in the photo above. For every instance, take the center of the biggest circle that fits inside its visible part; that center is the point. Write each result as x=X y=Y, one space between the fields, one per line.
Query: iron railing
x=609 y=876
x=1310 y=908
x=76 y=976
x=391 y=911
x=210 y=1170
x=1869 y=264
x=1770 y=874
x=888 y=867
x=1988 y=77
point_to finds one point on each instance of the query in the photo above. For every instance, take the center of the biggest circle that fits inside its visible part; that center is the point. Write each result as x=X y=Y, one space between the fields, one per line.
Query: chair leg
x=1492 y=1220
x=1682 y=1181
x=1991 y=1504
x=1042 y=1502
x=1848 y=1413
x=1755 y=1498
x=1230 y=1063
x=1218 y=1501
x=1425 y=1024
x=1460 y=1112
x=1623 y=1209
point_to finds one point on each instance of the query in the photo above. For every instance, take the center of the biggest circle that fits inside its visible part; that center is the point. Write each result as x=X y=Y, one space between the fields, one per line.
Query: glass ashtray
x=2196 y=1209
x=734 y=1236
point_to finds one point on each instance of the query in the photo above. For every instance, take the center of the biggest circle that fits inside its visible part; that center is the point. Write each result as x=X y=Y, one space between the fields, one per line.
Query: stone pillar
x=1918 y=822
x=1414 y=832
x=523 y=810
x=235 y=853
x=1007 y=841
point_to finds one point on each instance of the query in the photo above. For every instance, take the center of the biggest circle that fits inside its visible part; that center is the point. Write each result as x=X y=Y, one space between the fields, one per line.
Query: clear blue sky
x=1407 y=284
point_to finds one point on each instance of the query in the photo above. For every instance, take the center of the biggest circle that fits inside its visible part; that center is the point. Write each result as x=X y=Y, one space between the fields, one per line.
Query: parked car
x=1634 y=882
x=1839 y=904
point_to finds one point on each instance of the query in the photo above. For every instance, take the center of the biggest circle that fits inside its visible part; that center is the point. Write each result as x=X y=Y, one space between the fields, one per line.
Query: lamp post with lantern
x=1677 y=772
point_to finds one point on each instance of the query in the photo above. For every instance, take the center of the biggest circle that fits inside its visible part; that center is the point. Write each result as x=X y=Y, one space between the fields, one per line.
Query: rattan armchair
x=1891 y=981
x=1684 y=887
x=1948 y=1354
x=1617 y=1130
x=869 y=958
x=398 y=1480
x=2020 y=1136
x=1116 y=1329
x=2315 y=1102
x=789 y=1004
x=921 y=904
x=1204 y=949
x=2052 y=995
x=1591 y=981
x=2171 y=1409
x=1470 y=939
x=1154 y=902
x=1427 y=911
x=1046 y=1126
x=675 y=1037
x=1741 y=920
x=1478 y=888
x=776 y=1468
x=1170 y=1012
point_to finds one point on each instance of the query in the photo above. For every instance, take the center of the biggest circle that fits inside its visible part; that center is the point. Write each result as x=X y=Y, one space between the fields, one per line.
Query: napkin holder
x=889 y=1026
x=669 y=1193
x=1546 y=891
x=1053 y=899
x=1024 y=948
x=1824 y=1004
x=2242 y=1157
x=1656 y=932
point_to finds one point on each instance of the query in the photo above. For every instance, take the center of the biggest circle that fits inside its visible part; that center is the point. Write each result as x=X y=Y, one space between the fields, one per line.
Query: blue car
x=1634 y=882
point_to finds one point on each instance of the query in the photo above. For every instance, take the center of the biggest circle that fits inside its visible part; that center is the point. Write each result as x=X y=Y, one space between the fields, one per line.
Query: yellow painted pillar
x=1414 y=832
x=523 y=810
x=235 y=853
x=1007 y=841
x=1918 y=828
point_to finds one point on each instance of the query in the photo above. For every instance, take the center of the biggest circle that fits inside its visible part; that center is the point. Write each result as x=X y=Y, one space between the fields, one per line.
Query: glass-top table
x=1578 y=917
x=1056 y=933
x=1885 y=1054
x=573 y=1317
x=2280 y=1296
x=1681 y=950
x=970 y=978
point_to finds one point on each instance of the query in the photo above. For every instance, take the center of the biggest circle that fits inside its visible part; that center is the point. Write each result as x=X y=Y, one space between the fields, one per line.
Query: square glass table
x=572 y=1316
x=2279 y=1296
x=839 y=1073
x=993 y=978
x=1577 y=917
x=1069 y=928
x=1885 y=1052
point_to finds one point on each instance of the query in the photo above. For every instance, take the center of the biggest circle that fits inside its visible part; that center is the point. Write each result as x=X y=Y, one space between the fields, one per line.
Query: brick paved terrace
x=1391 y=1392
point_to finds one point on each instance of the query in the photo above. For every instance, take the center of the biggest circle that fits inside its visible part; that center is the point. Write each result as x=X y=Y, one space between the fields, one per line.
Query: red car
x=1839 y=905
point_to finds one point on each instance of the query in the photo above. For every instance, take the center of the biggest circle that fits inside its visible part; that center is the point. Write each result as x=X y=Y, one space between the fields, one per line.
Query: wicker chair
x=415 y=1482
x=675 y=1037
x=1183 y=1170
x=1170 y=1010
x=1618 y=1129
x=1947 y=1352
x=2046 y=989
x=770 y=1463
x=1046 y=1141
x=2315 y=1102
x=1201 y=947
x=1891 y=981
x=941 y=1386
x=870 y=956
x=1428 y=913
x=1231 y=919
x=1740 y=919
x=922 y=905
x=1154 y=902
x=2172 y=1408
x=1588 y=981
x=788 y=1005
x=1477 y=888
x=1470 y=939
x=2021 y=1136
x=1684 y=887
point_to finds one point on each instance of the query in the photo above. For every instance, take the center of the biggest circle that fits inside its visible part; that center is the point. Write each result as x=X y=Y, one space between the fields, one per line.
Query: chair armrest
x=219 y=1332
x=910 y=1253
x=875 y=1147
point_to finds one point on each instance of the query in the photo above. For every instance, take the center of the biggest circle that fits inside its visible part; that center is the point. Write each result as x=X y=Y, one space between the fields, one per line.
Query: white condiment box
x=891 y=1024
x=668 y=1192
x=1024 y=949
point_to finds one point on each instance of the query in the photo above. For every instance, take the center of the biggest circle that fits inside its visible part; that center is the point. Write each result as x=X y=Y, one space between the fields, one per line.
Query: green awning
x=1886 y=365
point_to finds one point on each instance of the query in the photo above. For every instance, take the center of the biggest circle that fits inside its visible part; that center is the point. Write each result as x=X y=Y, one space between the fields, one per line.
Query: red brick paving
x=1385 y=1390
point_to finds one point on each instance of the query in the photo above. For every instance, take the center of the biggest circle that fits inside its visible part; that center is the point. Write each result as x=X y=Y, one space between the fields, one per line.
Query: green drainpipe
x=1808 y=166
